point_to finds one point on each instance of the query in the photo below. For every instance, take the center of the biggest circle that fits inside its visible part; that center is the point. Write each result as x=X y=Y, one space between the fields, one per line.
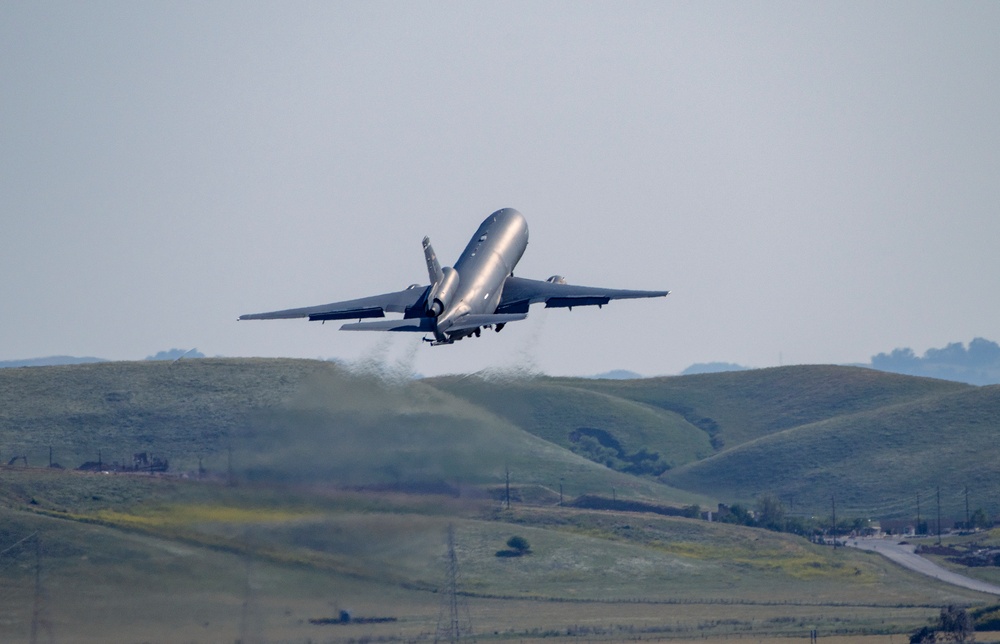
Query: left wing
x=519 y=294
x=409 y=302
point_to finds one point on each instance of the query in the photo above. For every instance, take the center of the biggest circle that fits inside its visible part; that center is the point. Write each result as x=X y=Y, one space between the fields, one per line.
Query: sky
x=814 y=182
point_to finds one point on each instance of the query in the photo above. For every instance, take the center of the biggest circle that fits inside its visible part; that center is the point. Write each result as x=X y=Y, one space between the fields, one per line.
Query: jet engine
x=442 y=292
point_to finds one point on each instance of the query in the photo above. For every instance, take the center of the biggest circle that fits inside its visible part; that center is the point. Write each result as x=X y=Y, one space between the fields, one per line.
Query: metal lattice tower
x=454 y=621
x=39 y=610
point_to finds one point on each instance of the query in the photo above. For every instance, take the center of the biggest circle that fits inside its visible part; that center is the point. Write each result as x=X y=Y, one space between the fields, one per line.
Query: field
x=159 y=559
x=298 y=490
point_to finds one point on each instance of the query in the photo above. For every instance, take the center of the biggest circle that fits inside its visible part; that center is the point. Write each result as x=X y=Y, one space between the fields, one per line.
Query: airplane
x=479 y=292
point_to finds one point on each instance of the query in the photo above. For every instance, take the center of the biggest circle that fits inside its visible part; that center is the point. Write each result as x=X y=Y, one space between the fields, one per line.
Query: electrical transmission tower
x=454 y=621
x=39 y=610
x=251 y=621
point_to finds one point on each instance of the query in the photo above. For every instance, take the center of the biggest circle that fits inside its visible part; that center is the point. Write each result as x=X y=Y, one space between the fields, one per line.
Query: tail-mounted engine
x=442 y=292
x=444 y=282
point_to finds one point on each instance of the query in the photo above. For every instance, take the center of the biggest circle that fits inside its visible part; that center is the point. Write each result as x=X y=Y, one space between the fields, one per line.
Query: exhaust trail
x=523 y=364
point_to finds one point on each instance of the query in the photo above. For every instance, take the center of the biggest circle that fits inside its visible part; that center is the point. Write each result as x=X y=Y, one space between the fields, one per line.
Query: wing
x=520 y=293
x=409 y=302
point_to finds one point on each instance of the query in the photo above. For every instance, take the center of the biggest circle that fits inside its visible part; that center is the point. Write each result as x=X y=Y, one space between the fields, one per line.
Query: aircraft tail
x=433 y=266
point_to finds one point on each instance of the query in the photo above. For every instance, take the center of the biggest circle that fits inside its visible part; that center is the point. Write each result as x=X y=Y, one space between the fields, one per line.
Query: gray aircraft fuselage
x=484 y=265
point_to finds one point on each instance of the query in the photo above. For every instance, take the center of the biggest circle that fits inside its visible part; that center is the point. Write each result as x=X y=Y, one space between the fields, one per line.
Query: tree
x=956 y=624
x=980 y=519
x=770 y=513
x=924 y=636
x=516 y=547
x=739 y=515
x=519 y=545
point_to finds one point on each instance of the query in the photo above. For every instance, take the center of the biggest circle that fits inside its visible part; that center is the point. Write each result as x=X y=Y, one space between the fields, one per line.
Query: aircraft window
x=483 y=238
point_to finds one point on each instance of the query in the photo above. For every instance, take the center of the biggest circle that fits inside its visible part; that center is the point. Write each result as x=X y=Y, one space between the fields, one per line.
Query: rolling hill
x=805 y=434
x=288 y=421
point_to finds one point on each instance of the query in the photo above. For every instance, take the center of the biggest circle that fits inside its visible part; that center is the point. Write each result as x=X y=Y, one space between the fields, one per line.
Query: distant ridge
x=50 y=361
x=55 y=361
x=712 y=367
x=617 y=374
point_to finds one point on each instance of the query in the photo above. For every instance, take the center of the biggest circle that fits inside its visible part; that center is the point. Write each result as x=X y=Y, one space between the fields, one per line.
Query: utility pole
x=939 y=514
x=560 y=492
x=506 y=473
x=967 y=521
x=833 y=502
x=917 y=531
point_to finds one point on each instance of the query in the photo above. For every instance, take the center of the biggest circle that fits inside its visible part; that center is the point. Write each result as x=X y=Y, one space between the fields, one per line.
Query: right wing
x=409 y=302
x=519 y=294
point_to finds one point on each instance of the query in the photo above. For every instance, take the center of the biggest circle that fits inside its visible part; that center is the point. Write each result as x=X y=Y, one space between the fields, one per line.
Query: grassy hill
x=181 y=410
x=806 y=433
x=875 y=462
x=288 y=421
x=554 y=409
x=741 y=406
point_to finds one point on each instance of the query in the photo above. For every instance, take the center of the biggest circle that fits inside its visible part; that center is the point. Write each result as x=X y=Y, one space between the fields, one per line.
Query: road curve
x=904 y=555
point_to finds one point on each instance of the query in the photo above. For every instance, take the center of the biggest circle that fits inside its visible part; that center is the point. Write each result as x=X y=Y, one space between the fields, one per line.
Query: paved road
x=904 y=556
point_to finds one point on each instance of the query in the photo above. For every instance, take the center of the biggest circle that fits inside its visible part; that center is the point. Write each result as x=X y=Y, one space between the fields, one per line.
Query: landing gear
x=499 y=327
x=435 y=342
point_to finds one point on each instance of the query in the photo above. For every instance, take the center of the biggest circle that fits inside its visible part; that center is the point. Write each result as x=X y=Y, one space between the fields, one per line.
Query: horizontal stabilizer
x=411 y=325
x=374 y=306
x=374 y=312
x=475 y=321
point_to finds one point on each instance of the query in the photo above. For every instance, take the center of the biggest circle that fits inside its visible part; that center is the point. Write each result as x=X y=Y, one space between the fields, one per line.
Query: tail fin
x=433 y=267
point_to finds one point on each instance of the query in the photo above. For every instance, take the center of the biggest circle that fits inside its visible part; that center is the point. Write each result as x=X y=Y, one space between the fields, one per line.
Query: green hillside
x=555 y=409
x=181 y=410
x=804 y=433
x=741 y=406
x=289 y=421
x=874 y=461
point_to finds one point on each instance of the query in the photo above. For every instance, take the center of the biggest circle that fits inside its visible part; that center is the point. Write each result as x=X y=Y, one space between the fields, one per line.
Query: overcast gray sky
x=816 y=182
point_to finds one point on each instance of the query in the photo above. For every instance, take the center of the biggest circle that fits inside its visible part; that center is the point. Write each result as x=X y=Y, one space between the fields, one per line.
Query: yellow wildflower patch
x=181 y=515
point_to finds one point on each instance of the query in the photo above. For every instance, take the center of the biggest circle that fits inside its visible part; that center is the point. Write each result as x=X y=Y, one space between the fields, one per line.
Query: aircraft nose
x=511 y=220
x=507 y=213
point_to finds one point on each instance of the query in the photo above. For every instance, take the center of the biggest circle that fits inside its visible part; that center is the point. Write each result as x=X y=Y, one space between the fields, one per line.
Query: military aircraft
x=479 y=292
